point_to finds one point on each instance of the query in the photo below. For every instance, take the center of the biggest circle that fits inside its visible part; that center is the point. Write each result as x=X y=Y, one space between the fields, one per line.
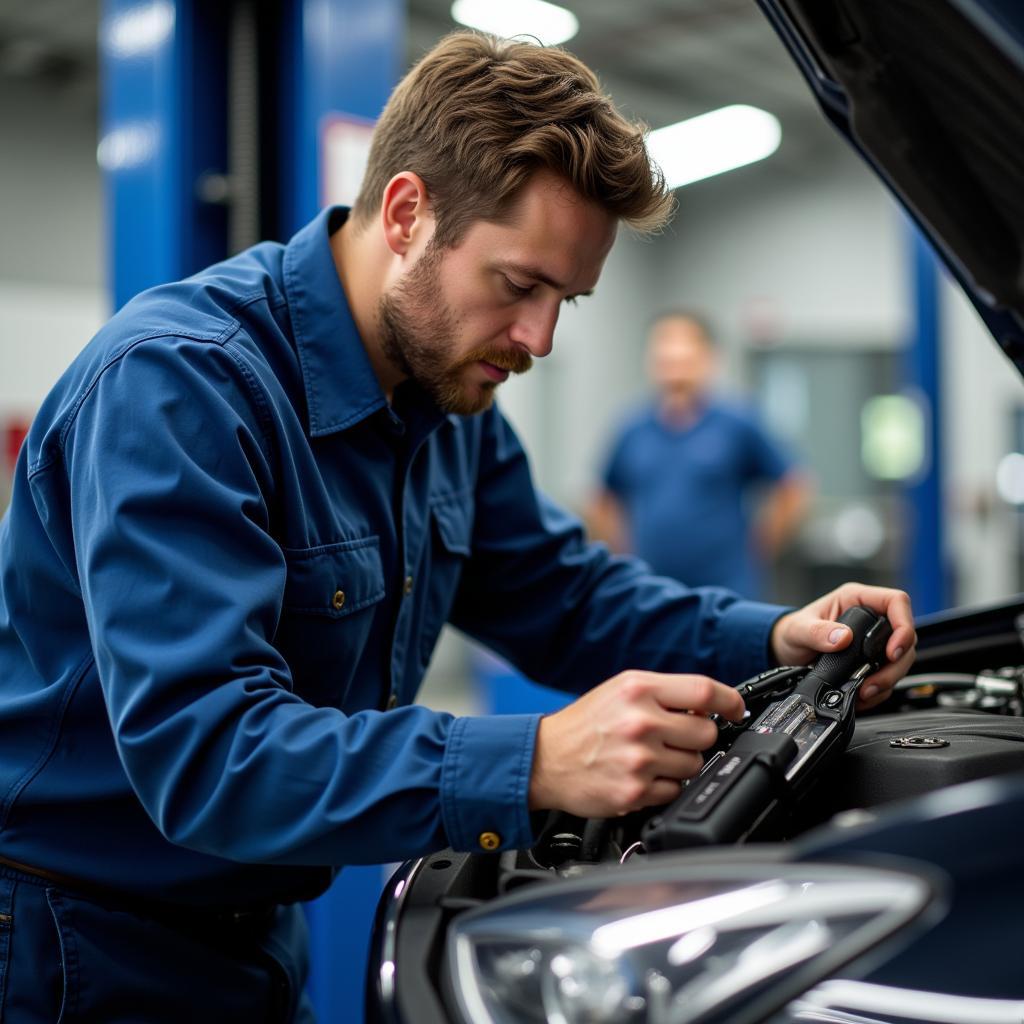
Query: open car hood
x=931 y=93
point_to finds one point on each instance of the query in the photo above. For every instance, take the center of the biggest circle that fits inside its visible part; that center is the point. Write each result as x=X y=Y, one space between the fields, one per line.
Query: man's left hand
x=800 y=636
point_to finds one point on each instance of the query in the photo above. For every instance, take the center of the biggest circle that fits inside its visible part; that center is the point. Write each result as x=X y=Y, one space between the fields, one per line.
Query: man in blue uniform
x=239 y=522
x=684 y=474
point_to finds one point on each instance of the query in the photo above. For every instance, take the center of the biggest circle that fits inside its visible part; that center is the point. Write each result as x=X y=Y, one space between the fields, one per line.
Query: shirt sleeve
x=172 y=493
x=569 y=614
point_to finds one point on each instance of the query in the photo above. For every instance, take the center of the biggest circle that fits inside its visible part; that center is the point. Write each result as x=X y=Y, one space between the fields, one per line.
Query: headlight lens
x=664 y=945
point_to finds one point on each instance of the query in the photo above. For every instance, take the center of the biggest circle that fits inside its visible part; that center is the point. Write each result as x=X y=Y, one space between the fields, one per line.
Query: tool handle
x=871 y=633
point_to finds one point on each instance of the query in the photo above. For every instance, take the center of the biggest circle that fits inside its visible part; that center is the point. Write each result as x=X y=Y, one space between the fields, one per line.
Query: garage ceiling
x=662 y=60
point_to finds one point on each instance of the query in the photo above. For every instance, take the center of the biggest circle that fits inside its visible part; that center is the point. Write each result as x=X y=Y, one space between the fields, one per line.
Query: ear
x=406 y=217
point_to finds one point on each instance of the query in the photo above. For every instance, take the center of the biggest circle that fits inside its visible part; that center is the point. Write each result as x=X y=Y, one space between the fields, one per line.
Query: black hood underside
x=931 y=92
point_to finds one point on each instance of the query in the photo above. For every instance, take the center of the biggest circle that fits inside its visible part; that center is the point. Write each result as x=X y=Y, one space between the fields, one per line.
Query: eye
x=572 y=299
x=519 y=291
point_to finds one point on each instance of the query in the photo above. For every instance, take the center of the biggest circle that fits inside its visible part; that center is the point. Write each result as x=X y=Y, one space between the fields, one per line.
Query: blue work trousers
x=69 y=958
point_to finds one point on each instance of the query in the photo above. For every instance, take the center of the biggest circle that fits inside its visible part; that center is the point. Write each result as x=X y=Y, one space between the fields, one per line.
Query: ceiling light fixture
x=546 y=22
x=713 y=143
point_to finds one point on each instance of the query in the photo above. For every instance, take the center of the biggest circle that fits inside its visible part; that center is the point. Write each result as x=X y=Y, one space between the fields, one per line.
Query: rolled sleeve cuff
x=485 y=782
x=746 y=629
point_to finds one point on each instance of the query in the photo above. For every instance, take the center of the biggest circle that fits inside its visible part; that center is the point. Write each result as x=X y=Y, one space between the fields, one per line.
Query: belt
x=175 y=914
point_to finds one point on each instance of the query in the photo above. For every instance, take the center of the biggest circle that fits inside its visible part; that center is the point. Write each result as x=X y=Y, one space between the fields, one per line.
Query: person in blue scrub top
x=239 y=522
x=684 y=473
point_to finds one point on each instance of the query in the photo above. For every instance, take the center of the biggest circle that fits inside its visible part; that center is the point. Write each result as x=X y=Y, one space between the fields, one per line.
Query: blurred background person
x=692 y=484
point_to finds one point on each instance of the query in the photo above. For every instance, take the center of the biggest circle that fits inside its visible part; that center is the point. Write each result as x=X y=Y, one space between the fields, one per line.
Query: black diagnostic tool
x=775 y=753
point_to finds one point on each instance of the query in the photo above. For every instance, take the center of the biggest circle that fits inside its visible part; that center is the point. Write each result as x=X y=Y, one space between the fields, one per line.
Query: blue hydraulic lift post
x=926 y=563
x=159 y=61
x=341 y=57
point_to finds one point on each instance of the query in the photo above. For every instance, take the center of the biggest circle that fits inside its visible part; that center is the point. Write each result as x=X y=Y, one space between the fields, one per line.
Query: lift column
x=926 y=569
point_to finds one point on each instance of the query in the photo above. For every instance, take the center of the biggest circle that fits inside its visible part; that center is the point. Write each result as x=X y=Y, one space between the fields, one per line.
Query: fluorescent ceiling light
x=713 y=143
x=506 y=18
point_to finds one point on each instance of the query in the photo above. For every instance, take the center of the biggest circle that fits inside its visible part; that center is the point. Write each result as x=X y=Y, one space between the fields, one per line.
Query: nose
x=534 y=329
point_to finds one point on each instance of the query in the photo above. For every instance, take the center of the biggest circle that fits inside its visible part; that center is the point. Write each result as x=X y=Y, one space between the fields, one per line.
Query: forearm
x=606 y=522
x=782 y=513
x=278 y=781
x=572 y=616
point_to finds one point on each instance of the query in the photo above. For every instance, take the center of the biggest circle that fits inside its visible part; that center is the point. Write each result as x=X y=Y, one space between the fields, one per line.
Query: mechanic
x=240 y=520
x=682 y=473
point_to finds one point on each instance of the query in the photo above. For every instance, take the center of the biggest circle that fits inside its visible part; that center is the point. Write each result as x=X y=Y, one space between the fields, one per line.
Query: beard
x=418 y=331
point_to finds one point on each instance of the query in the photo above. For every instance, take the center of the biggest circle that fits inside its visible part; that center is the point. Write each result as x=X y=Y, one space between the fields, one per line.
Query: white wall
x=982 y=390
x=815 y=258
x=50 y=210
x=51 y=273
x=51 y=295
x=42 y=328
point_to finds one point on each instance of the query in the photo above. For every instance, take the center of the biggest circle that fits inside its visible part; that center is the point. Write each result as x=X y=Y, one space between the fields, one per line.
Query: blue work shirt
x=225 y=565
x=686 y=491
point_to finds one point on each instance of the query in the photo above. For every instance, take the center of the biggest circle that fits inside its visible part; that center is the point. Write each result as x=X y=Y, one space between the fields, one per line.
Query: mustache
x=515 y=360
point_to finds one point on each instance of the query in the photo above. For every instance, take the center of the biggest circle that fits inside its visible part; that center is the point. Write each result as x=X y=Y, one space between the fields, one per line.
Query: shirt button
x=338 y=600
x=392 y=701
x=408 y=585
x=489 y=840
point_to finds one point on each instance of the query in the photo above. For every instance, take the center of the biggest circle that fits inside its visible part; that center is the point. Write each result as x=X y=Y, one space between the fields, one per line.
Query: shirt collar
x=341 y=387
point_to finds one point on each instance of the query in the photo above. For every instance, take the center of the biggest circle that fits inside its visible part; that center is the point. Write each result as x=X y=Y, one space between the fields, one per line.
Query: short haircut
x=478 y=116
x=683 y=313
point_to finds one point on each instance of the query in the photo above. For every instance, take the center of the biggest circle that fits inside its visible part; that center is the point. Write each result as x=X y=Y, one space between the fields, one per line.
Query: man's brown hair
x=478 y=116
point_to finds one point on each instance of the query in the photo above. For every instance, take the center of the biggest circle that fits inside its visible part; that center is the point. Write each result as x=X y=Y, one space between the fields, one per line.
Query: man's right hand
x=627 y=743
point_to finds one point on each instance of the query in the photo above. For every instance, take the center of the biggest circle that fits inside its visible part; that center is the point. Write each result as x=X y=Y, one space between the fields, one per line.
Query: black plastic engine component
x=772 y=759
x=899 y=756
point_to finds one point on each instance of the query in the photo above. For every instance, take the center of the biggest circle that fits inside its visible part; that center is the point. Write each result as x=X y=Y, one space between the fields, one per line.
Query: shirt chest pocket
x=451 y=529
x=331 y=596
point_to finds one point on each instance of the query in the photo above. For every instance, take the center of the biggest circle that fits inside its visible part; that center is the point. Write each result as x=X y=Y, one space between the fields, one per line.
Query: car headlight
x=671 y=944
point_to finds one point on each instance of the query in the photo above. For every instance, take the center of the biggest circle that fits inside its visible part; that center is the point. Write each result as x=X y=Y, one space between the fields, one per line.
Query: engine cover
x=897 y=756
